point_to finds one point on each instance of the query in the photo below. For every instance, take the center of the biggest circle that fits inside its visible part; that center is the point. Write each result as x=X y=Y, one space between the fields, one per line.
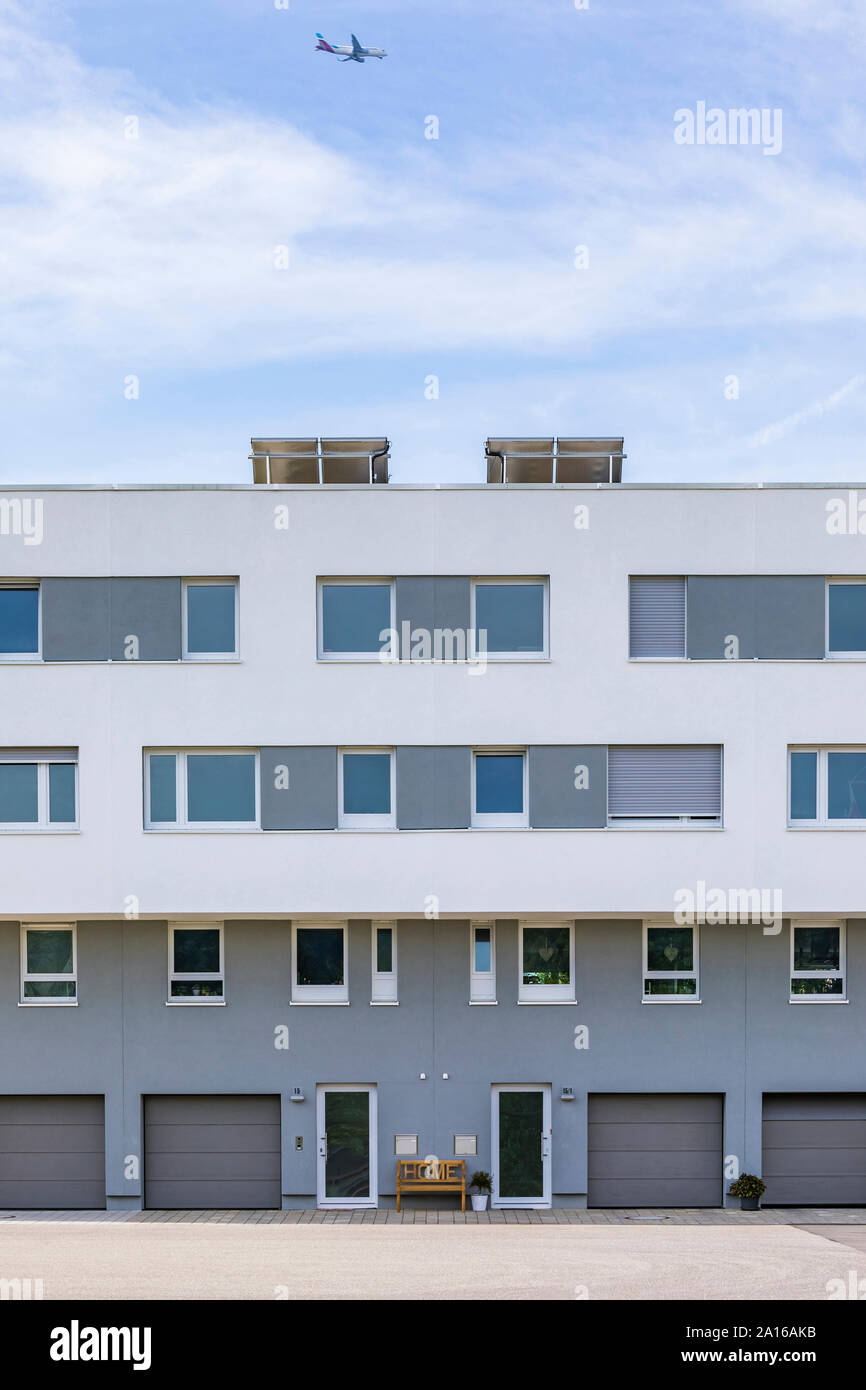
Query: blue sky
x=154 y=257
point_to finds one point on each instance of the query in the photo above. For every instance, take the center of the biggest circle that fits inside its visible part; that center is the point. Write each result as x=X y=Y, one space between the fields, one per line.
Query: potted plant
x=749 y=1189
x=483 y=1185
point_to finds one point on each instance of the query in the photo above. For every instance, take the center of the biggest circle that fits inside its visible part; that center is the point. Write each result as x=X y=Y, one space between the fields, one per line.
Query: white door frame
x=372 y=1200
x=546 y=1200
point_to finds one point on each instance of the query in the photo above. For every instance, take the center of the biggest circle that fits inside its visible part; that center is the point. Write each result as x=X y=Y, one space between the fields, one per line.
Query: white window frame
x=180 y=771
x=29 y=976
x=546 y=994
x=823 y=821
x=203 y=583
x=839 y=656
x=482 y=983
x=840 y=974
x=491 y=655
x=183 y=975
x=16 y=657
x=356 y=580
x=320 y=994
x=366 y=821
x=43 y=758
x=384 y=982
x=501 y=820
x=694 y=974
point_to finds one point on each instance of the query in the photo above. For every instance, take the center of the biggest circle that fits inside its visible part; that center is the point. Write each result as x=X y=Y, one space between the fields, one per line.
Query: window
x=499 y=795
x=210 y=619
x=846 y=617
x=38 y=789
x=384 y=990
x=657 y=616
x=196 y=974
x=827 y=787
x=319 y=964
x=482 y=963
x=367 y=789
x=546 y=964
x=49 y=967
x=19 y=622
x=817 y=962
x=665 y=785
x=201 y=791
x=509 y=618
x=353 y=615
x=670 y=964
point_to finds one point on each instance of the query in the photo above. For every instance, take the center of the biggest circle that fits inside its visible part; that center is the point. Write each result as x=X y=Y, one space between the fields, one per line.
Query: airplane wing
x=357 y=47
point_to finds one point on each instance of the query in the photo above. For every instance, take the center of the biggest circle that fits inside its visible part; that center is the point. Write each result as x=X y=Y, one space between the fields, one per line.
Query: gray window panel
x=846 y=777
x=196 y=949
x=61 y=792
x=353 y=616
x=720 y=607
x=512 y=616
x=149 y=610
x=804 y=786
x=847 y=618
x=210 y=618
x=19 y=800
x=221 y=787
x=299 y=788
x=163 y=787
x=19 y=620
x=435 y=604
x=657 y=616
x=498 y=784
x=677 y=780
x=773 y=617
x=366 y=784
x=567 y=786
x=433 y=787
x=76 y=619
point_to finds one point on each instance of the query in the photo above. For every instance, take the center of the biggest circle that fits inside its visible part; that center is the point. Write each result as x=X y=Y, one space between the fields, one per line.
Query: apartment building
x=343 y=820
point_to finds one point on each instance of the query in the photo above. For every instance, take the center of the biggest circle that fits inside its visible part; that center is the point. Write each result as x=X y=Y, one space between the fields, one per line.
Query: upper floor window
x=49 y=968
x=657 y=616
x=367 y=791
x=817 y=962
x=196 y=973
x=509 y=617
x=38 y=789
x=827 y=786
x=499 y=791
x=19 y=622
x=210 y=619
x=672 y=784
x=546 y=963
x=846 y=617
x=670 y=964
x=353 y=615
x=319 y=964
x=202 y=790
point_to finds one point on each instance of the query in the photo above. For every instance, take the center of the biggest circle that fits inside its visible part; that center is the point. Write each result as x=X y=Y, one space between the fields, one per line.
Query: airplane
x=353 y=54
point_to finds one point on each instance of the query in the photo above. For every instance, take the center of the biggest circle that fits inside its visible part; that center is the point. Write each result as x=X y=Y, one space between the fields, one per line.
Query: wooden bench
x=441 y=1175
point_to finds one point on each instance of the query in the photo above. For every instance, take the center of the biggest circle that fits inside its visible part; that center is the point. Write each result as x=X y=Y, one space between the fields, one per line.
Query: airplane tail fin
x=323 y=46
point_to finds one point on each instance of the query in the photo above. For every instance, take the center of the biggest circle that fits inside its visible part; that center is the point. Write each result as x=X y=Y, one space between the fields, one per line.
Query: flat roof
x=379 y=488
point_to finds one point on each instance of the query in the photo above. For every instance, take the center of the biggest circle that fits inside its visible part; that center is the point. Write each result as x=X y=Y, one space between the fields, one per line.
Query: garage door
x=52 y=1151
x=655 y=1150
x=212 y=1151
x=815 y=1149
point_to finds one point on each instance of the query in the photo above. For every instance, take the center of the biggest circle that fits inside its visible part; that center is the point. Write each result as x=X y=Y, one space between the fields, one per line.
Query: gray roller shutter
x=76 y=619
x=148 y=609
x=567 y=786
x=815 y=1149
x=673 y=780
x=212 y=1151
x=657 y=615
x=655 y=1150
x=298 y=788
x=52 y=1152
x=433 y=788
x=434 y=602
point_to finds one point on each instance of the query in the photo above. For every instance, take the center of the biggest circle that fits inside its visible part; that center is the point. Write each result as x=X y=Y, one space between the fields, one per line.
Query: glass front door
x=347 y=1146
x=521 y=1146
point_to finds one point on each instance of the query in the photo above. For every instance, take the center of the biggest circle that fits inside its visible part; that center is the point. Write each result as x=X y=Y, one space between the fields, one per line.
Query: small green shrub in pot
x=481 y=1186
x=750 y=1189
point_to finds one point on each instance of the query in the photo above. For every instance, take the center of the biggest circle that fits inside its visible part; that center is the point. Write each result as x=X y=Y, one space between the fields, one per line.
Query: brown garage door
x=52 y=1151
x=815 y=1149
x=212 y=1151
x=655 y=1150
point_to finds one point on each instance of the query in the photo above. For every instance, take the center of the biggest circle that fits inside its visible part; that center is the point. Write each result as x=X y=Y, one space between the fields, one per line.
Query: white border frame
x=27 y=975
x=647 y=974
x=320 y=994
x=822 y=788
x=194 y=582
x=365 y=821
x=545 y=1138
x=372 y=581
x=384 y=983
x=16 y=658
x=42 y=760
x=491 y=655
x=839 y=656
x=501 y=820
x=546 y=994
x=482 y=983
x=181 y=976
x=181 y=824
x=372 y=1200
x=840 y=924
